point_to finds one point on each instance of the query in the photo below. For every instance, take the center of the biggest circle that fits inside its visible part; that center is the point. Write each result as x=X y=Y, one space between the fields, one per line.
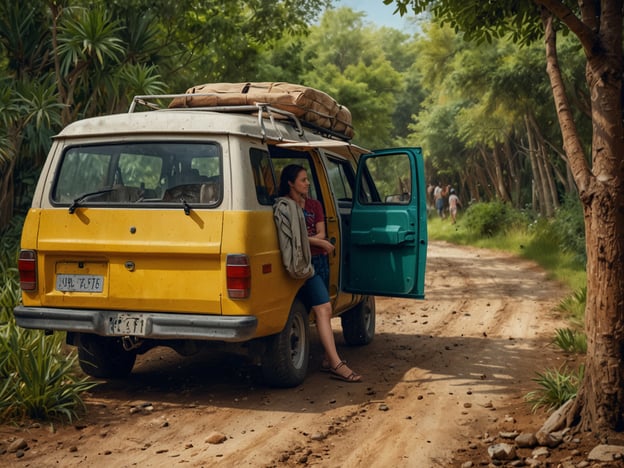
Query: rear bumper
x=158 y=325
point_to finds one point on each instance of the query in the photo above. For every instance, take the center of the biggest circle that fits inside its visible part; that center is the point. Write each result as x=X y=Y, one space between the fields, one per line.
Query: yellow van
x=155 y=228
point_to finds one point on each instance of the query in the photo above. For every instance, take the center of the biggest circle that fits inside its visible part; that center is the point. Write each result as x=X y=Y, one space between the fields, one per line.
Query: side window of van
x=266 y=186
x=282 y=157
x=268 y=167
x=342 y=179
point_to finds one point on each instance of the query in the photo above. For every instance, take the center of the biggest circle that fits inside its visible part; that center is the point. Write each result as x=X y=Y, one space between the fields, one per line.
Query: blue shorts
x=320 y=263
x=314 y=291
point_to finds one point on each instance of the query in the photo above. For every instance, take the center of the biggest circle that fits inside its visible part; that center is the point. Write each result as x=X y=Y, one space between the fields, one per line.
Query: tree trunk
x=6 y=193
x=600 y=401
x=538 y=193
x=486 y=177
x=514 y=173
x=566 y=180
x=601 y=397
x=501 y=189
x=550 y=180
x=544 y=175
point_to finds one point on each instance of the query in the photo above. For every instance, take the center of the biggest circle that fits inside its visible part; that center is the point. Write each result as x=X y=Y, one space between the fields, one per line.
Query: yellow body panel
x=150 y=259
x=161 y=260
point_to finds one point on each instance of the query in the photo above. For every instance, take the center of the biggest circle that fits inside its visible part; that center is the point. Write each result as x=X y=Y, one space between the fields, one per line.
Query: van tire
x=358 y=324
x=286 y=355
x=104 y=357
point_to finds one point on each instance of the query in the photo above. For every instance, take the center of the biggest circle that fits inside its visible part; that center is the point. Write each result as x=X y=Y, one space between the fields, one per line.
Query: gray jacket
x=293 y=238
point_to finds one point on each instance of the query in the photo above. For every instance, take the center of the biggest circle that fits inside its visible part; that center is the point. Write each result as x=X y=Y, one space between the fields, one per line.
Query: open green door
x=386 y=246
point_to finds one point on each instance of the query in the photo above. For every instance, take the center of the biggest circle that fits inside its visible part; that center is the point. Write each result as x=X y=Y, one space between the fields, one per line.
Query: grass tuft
x=556 y=387
x=574 y=306
x=571 y=341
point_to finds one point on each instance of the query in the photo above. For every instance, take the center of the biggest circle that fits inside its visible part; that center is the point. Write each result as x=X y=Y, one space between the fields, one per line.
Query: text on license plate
x=127 y=324
x=79 y=283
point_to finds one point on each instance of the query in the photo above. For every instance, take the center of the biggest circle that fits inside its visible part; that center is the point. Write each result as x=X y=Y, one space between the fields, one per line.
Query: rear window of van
x=128 y=173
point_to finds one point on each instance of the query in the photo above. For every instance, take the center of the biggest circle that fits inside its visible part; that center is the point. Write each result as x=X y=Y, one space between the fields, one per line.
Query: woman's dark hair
x=289 y=174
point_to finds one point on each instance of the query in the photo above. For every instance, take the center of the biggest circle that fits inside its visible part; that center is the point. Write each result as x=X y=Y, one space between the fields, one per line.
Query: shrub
x=39 y=377
x=570 y=228
x=36 y=376
x=571 y=341
x=9 y=278
x=556 y=387
x=574 y=305
x=491 y=218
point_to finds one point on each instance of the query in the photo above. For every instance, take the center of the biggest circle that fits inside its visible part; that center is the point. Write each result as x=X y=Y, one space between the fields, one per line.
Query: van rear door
x=386 y=246
x=131 y=259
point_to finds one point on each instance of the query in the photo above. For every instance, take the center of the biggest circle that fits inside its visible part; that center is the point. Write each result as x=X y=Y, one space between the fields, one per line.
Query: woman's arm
x=320 y=238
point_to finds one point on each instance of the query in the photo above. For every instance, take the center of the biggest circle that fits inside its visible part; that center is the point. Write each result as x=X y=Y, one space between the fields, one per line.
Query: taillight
x=27 y=266
x=238 y=275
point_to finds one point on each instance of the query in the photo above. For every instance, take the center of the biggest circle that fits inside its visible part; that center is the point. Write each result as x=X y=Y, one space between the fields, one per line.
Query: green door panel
x=387 y=244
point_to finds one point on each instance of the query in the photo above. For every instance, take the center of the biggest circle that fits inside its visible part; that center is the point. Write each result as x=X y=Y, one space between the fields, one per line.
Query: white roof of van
x=202 y=122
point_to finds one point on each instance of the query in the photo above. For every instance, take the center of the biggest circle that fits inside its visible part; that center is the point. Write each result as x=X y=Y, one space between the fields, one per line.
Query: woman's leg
x=323 y=314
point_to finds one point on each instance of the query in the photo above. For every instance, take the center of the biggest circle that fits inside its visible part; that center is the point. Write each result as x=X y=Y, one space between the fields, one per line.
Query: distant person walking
x=438 y=198
x=453 y=204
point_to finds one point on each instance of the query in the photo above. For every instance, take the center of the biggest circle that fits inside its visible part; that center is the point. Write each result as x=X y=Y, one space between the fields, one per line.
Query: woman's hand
x=326 y=245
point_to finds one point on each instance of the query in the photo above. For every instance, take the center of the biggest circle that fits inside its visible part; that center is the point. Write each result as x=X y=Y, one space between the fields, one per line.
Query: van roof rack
x=264 y=111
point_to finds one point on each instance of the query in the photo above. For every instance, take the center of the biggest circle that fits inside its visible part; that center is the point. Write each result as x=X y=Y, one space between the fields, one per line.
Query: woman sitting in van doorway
x=294 y=183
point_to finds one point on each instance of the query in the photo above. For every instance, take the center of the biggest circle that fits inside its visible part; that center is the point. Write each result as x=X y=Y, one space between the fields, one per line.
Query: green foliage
x=347 y=60
x=40 y=381
x=570 y=228
x=571 y=341
x=89 y=36
x=482 y=21
x=556 y=386
x=523 y=239
x=565 y=233
x=37 y=376
x=574 y=305
x=489 y=219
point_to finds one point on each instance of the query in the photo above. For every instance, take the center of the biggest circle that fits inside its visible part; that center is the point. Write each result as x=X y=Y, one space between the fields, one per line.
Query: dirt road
x=438 y=372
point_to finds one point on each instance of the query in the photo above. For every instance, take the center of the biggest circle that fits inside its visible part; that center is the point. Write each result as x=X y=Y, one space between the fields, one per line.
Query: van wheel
x=104 y=357
x=285 y=360
x=358 y=324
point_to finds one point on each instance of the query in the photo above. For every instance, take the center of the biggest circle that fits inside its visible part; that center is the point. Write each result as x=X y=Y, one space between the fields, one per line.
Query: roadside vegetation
x=557 y=244
x=39 y=378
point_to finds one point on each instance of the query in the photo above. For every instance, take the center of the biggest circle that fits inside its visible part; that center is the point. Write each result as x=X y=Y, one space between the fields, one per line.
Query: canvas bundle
x=308 y=104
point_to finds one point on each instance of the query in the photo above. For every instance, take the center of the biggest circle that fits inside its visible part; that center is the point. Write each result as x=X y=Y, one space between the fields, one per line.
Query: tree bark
x=536 y=176
x=550 y=180
x=600 y=401
x=499 y=180
x=514 y=173
x=543 y=171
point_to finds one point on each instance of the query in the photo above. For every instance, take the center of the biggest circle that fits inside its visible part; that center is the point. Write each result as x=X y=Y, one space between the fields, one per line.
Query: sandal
x=353 y=377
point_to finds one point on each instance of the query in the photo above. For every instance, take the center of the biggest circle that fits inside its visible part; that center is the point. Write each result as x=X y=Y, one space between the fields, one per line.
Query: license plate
x=79 y=283
x=127 y=324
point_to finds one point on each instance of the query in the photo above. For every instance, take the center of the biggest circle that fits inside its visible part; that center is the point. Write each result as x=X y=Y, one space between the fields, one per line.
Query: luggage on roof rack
x=308 y=104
